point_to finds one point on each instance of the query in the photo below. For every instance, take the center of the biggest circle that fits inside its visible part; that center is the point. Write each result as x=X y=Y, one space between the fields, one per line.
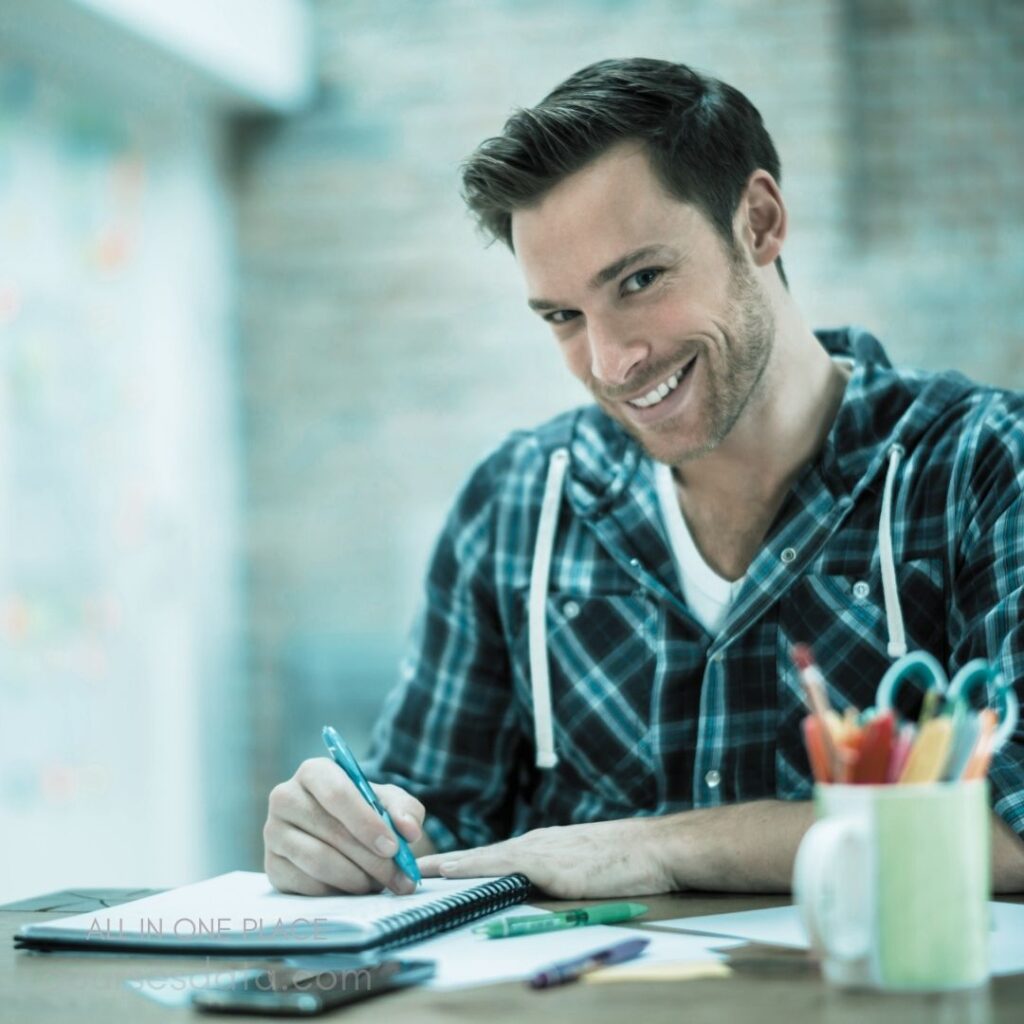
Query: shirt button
x=861 y=590
x=635 y=563
x=712 y=779
x=570 y=609
x=789 y=555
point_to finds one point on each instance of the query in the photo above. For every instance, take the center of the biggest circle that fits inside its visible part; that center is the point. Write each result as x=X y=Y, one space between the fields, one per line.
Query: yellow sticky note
x=687 y=970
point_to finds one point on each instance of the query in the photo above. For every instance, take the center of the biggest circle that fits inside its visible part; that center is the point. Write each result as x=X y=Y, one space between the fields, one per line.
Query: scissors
x=922 y=667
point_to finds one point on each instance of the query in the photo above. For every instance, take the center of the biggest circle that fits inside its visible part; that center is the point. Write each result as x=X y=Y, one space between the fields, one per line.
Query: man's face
x=669 y=331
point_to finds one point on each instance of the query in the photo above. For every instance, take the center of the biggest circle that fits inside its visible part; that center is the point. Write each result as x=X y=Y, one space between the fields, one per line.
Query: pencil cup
x=893 y=885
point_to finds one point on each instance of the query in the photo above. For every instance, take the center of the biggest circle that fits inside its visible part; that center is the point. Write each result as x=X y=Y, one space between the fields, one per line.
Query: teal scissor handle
x=1011 y=713
x=917 y=664
x=980 y=672
x=973 y=674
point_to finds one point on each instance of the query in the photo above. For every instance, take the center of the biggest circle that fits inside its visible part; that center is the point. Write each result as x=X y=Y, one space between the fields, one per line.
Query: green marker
x=532 y=924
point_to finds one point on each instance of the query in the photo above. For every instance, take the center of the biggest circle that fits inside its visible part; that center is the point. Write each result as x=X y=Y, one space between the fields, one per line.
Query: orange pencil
x=977 y=764
x=821 y=766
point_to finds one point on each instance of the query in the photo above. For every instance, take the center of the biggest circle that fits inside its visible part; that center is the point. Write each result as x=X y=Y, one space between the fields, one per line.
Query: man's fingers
x=337 y=794
x=296 y=808
x=286 y=877
x=319 y=860
x=305 y=813
x=406 y=811
x=323 y=804
x=483 y=862
x=409 y=827
x=430 y=866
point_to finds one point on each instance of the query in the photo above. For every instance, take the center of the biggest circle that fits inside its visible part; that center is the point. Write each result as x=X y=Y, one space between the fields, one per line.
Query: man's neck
x=731 y=495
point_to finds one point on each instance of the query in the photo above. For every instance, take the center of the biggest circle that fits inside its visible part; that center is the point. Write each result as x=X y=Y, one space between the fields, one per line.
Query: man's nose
x=614 y=352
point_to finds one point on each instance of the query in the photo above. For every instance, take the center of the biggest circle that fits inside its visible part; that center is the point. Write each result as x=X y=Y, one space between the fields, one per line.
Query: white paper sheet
x=781 y=926
x=464 y=959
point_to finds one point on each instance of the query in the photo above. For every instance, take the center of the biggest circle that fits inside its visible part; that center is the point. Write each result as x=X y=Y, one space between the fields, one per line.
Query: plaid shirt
x=652 y=714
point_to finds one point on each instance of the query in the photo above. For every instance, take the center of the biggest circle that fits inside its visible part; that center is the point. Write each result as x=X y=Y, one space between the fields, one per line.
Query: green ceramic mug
x=893 y=885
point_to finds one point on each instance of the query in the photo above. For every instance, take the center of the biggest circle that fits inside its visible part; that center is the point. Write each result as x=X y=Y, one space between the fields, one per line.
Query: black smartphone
x=306 y=991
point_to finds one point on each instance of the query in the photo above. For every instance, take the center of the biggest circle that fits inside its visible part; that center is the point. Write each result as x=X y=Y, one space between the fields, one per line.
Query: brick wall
x=385 y=349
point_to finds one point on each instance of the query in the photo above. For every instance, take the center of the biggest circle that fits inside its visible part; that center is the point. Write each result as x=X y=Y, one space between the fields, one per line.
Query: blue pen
x=345 y=760
x=570 y=970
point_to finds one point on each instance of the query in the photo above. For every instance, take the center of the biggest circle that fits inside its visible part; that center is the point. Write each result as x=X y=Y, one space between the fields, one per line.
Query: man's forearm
x=738 y=847
x=751 y=847
x=1007 y=858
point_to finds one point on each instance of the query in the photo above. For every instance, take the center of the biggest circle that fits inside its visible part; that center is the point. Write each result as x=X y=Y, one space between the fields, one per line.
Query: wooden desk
x=47 y=988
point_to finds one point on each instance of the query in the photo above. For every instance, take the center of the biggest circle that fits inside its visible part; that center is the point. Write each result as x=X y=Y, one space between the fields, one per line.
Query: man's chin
x=661 y=443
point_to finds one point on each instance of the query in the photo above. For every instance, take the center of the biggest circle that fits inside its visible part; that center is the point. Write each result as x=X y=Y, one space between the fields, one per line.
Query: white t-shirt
x=707 y=594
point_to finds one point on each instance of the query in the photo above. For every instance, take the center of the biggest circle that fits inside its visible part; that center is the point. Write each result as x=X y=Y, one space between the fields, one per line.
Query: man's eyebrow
x=605 y=275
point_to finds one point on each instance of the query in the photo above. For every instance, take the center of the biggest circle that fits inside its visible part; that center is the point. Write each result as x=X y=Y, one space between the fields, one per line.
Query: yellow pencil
x=928 y=754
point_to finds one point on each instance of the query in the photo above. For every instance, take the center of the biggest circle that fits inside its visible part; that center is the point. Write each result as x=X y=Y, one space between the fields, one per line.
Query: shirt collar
x=881 y=406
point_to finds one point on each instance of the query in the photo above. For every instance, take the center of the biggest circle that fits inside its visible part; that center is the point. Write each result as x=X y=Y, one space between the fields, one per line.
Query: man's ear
x=761 y=219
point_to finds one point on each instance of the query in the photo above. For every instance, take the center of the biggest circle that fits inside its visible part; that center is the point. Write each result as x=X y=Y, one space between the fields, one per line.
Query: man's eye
x=640 y=280
x=561 y=316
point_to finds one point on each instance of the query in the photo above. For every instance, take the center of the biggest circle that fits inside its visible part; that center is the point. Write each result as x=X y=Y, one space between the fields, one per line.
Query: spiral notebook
x=241 y=912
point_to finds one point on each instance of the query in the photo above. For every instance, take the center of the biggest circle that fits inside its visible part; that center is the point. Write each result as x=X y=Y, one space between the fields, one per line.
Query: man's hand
x=607 y=858
x=739 y=848
x=321 y=837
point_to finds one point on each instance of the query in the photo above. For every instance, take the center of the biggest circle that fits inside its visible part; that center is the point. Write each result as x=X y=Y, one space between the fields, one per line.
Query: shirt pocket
x=602 y=664
x=842 y=616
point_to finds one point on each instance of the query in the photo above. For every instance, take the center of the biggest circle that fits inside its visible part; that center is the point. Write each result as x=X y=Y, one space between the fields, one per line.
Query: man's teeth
x=655 y=395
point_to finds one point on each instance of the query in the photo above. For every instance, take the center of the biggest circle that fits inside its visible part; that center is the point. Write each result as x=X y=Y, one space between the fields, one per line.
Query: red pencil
x=873 y=750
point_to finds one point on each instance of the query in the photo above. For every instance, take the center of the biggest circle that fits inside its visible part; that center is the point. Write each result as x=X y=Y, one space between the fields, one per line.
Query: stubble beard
x=748 y=334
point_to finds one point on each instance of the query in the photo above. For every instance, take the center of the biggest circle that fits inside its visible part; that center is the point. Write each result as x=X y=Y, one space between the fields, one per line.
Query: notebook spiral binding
x=451 y=911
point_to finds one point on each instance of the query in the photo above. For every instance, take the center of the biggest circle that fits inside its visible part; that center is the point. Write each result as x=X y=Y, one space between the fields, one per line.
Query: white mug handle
x=831 y=885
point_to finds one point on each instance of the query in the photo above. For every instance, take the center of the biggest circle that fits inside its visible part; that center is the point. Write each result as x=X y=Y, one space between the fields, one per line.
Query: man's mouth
x=664 y=389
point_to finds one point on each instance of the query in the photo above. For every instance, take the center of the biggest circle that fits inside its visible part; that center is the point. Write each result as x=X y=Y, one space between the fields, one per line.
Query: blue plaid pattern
x=651 y=713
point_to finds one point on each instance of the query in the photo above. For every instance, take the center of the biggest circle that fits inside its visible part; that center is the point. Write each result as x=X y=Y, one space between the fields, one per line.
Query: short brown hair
x=703 y=137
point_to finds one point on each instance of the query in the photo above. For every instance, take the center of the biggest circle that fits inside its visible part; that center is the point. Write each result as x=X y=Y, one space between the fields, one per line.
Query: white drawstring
x=540 y=680
x=893 y=613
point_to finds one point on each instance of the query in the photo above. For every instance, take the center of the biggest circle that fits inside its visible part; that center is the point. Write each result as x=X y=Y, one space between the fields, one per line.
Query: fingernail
x=448 y=865
x=385 y=846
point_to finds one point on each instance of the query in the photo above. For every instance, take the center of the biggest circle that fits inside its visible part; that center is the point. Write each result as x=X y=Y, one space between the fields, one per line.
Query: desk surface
x=47 y=988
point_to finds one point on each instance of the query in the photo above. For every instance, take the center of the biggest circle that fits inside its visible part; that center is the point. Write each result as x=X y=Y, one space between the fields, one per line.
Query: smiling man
x=599 y=692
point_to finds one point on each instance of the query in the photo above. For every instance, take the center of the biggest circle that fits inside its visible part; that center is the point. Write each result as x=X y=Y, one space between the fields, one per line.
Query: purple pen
x=570 y=970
